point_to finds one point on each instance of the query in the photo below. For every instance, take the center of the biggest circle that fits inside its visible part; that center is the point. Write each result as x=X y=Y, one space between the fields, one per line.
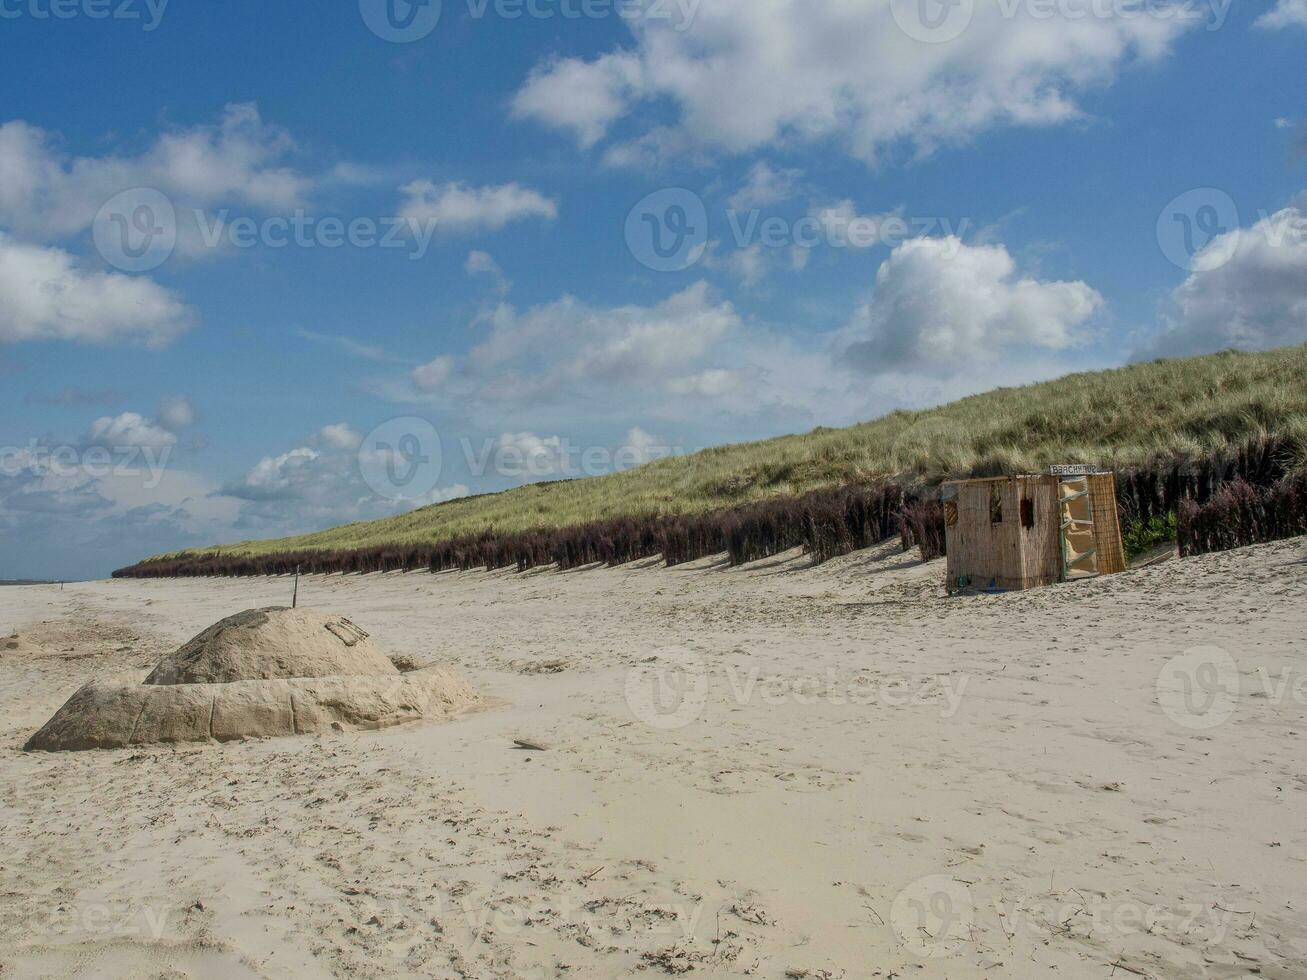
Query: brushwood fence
x=824 y=523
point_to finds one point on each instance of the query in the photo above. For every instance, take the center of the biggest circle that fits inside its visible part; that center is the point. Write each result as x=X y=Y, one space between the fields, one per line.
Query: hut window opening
x=995 y=504
x=1027 y=513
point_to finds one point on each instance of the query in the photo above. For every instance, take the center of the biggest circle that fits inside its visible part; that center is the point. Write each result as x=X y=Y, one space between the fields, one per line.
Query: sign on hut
x=1022 y=532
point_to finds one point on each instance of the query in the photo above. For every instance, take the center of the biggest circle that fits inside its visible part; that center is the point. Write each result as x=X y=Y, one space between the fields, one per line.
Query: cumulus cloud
x=1248 y=290
x=341 y=437
x=765 y=186
x=129 y=431
x=431 y=376
x=460 y=207
x=45 y=194
x=1287 y=13
x=748 y=74
x=176 y=413
x=306 y=488
x=481 y=264
x=584 y=96
x=940 y=306
x=46 y=295
x=841 y=226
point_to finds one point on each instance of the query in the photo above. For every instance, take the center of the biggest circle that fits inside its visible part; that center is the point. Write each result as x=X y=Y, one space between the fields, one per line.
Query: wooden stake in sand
x=295 y=596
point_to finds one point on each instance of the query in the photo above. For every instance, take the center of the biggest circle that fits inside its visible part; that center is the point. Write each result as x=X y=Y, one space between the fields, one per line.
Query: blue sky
x=861 y=206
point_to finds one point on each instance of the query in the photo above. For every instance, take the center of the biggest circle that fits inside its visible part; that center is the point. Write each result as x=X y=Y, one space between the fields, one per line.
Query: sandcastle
x=264 y=672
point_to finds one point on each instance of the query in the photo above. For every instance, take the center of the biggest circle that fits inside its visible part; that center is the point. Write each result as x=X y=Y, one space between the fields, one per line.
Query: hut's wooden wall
x=1042 y=544
x=1107 y=524
x=1006 y=553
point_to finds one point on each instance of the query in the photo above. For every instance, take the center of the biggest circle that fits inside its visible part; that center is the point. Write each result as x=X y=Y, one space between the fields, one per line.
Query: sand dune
x=772 y=771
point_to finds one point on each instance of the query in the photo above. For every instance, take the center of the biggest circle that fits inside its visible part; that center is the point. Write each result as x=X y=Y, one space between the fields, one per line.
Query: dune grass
x=1138 y=415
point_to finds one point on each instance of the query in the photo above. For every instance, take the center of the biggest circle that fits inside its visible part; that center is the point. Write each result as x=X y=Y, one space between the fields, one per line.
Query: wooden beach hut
x=1022 y=532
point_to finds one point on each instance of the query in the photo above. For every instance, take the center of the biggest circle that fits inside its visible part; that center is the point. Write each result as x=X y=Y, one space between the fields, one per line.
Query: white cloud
x=640 y=447
x=340 y=437
x=459 y=207
x=347 y=346
x=176 y=413
x=307 y=489
x=480 y=264
x=584 y=96
x=525 y=453
x=129 y=431
x=44 y=295
x=46 y=194
x=1288 y=13
x=843 y=227
x=1248 y=290
x=941 y=306
x=431 y=376
x=749 y=264
x=714 y=383
x=765 y=186
x=749 y=74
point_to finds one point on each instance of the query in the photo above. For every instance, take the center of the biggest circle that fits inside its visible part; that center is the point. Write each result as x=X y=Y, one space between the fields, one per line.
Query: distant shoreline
x=27 y=581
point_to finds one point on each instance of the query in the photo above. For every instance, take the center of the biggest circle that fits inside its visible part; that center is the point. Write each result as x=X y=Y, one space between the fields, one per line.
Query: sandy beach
x=775 y=771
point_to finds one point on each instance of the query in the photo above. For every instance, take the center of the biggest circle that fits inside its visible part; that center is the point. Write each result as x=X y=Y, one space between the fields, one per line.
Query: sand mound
x=265 y=672
x=264 y=644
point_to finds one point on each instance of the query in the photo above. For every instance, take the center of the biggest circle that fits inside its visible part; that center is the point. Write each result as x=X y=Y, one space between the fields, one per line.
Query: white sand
x=979 y=787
